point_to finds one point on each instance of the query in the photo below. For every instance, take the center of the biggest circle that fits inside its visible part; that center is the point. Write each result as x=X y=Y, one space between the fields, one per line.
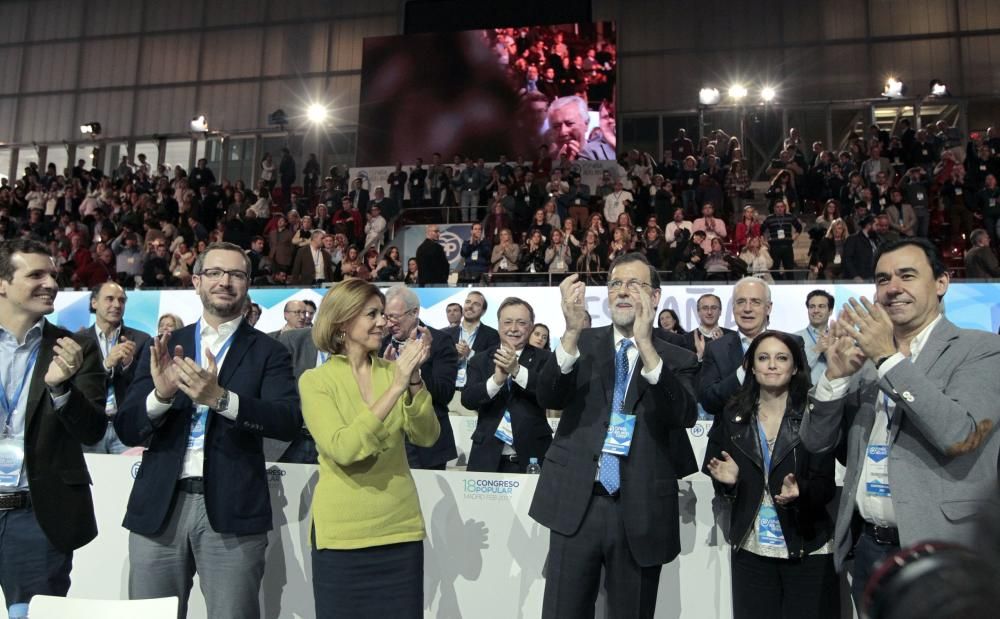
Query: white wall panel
x=112 y=109
x=348 y=36
x=978 y=14
x=172 y=15
x=233 y=54
x=169 y=58
x=164 y=110
x=343 y=94
x=50 y=67
x=55 y=19
x=7 y=107
x=295 y=48
x=902 y=17
x=112 y=17
x=982 y=57
x=299 y=9
x=13 y=19
x=109 y=62
x=10 y=69
x=230 y=106
x=45 y=118
x=224 y=12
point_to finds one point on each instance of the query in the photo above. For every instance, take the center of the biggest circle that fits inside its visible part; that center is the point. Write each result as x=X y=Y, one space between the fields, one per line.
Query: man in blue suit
x=204 y=399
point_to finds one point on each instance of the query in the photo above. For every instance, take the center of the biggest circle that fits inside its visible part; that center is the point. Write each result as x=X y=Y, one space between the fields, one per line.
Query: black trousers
x=29 y=564
x=783 y=254
x=573 y=571
x=784 y=588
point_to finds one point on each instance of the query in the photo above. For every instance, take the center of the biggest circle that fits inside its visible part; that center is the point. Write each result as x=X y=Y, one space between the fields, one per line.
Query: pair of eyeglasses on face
x=397 y=317
x=217 y=274
x=632 y=285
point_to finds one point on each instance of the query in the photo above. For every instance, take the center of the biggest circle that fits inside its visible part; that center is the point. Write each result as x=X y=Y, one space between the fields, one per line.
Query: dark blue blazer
x=258 y=369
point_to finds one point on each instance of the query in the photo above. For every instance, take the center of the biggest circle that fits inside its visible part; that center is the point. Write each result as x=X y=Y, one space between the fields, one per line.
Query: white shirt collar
x=619 y=337
x=224 y=330
x=33 y=332
x=918 y=341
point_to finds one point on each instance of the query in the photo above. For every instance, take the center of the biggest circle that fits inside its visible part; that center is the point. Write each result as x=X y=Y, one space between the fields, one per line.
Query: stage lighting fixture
x=317 y=113
x=277 y=117
x=199 y=124
x=767 y=94
x=91 y=129
x=939 y=89
x=894 y=88
x=708 y=96
x=737 y=91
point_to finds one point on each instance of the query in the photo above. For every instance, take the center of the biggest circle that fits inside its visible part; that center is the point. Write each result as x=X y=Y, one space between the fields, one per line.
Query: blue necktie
x=610 y=473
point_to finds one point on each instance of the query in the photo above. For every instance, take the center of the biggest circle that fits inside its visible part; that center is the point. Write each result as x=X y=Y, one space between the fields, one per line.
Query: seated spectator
x=167 y=324
x=533 y=253
x=712 y=226
x=156 y=268
x=831 y=212
x=593 y=255
x=182 y=263
x=351 y=263
x=412 y=277
x=621 y=243
x=757 y=258
x=506 y=254
x=689 y=258
x=980 y=261
x=747 y=227
x=668 y=321
x=717 y=261
x=599 y=228
x=558 y=258
x=902 y=218
x=390 y=267
x=654 y=246
x=369 y=266
x=828 y=260
x=99 y=271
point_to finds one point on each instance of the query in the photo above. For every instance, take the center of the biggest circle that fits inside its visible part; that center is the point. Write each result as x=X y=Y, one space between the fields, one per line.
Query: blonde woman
x=367 y=556
x=757 y=258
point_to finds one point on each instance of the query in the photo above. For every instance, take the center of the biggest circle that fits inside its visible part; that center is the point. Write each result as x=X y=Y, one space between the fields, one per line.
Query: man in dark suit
x=859 y=251
x=432 y=264
x=402 y=314
x=120 y=346
x=471 y=336
x=709 y=311
x=608 y=490
x=53 y=402
x=501 y=386
x=722 y=371
x=200 y=501
x=305 y=356
x=307 y=259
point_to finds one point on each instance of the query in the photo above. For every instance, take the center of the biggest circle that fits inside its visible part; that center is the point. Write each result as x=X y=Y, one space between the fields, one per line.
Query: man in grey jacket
x=915 y=400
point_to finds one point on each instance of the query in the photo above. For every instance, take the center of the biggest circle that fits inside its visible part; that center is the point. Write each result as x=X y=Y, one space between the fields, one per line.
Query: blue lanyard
x=809 y=331
x=197 y=345
x=9 y=406
x=109 y=344
x=763 y=448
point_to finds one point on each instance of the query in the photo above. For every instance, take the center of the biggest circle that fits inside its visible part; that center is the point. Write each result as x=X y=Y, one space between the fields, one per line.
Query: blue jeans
x=867 y=555
x=29 y=564
x=109 y=443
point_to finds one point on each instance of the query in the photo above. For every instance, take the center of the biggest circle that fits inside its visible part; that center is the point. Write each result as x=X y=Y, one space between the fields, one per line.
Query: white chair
x=49 y=607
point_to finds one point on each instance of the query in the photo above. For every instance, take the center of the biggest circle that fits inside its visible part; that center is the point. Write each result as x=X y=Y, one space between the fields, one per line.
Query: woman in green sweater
x=367 y=557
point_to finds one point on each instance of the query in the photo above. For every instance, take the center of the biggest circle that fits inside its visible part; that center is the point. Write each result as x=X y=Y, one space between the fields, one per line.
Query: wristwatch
x=223 y=402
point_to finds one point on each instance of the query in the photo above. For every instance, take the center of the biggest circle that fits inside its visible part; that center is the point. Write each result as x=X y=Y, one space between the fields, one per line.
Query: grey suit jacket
x=300 y=345
x=943 y=457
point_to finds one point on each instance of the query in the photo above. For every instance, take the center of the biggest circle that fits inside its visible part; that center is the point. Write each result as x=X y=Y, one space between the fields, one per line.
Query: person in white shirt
x=374 y=228
x=614 y=203
x=678 y=224
x=819 y=304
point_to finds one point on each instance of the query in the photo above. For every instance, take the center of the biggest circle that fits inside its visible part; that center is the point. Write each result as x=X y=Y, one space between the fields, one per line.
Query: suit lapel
x=243 y=339
x=736 y=350
x=606 y=342
x=36 y=386
x=937 y=343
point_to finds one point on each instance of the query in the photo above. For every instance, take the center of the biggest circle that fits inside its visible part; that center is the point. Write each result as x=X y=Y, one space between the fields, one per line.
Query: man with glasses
x=402 y=314
x=722 y=371
x=709 y=311
x=512 y=429
x=296 y=317
x=608 y=491
x=203 y=398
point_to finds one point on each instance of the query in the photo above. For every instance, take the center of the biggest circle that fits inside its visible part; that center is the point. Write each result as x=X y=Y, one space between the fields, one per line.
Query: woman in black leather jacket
x=782 y=561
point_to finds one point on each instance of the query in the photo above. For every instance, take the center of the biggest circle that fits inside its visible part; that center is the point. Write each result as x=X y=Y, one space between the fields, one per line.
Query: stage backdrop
x=974 y=306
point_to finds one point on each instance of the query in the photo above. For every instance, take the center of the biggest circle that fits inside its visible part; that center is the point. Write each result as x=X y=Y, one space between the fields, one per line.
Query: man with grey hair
x=722 y=371
x=567 y=119
x=402 y=315
x=980 y=261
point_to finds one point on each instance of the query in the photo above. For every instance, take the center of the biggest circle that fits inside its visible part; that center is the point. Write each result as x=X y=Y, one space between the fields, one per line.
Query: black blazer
x=304 y=269
x=432 y=263
x=439 y=373
x=649 y=474
x=532 y=432
x=717 y=380
x=259 y=369
x=689 y=338
x=121 y=377
x=486 y=338
x=805 y=523
x=57 y=473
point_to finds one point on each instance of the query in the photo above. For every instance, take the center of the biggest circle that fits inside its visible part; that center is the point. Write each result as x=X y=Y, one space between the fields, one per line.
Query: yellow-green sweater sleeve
x=419 y=420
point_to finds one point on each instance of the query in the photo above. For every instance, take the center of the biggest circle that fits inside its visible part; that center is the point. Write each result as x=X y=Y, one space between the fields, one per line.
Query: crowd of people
x=362 y=387
x=693 y=213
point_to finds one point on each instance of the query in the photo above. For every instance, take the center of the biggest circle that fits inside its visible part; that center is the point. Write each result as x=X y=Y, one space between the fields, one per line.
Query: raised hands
x=67 y=357
x=843 y=357
x=724 y=471
x=870 y=326
x=123 y=352
x=198 y=383
x=161 y=367
x=412 y=355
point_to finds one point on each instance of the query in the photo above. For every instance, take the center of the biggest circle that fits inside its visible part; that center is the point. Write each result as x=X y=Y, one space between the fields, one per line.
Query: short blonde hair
x=340 y=305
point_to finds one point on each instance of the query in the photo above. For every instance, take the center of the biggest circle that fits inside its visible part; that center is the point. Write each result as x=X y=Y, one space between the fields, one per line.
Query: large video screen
x=521 y=92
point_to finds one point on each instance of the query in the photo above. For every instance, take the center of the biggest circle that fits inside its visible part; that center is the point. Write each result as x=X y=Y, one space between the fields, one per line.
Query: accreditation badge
x=196 y=439
x=619 y=438
x=769 y=527
x=11 y=459
x=878 y=471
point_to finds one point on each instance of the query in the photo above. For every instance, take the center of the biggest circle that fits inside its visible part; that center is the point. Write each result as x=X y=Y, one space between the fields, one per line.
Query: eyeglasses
x=216 y=274
x=633 y=285
x=395 y=318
